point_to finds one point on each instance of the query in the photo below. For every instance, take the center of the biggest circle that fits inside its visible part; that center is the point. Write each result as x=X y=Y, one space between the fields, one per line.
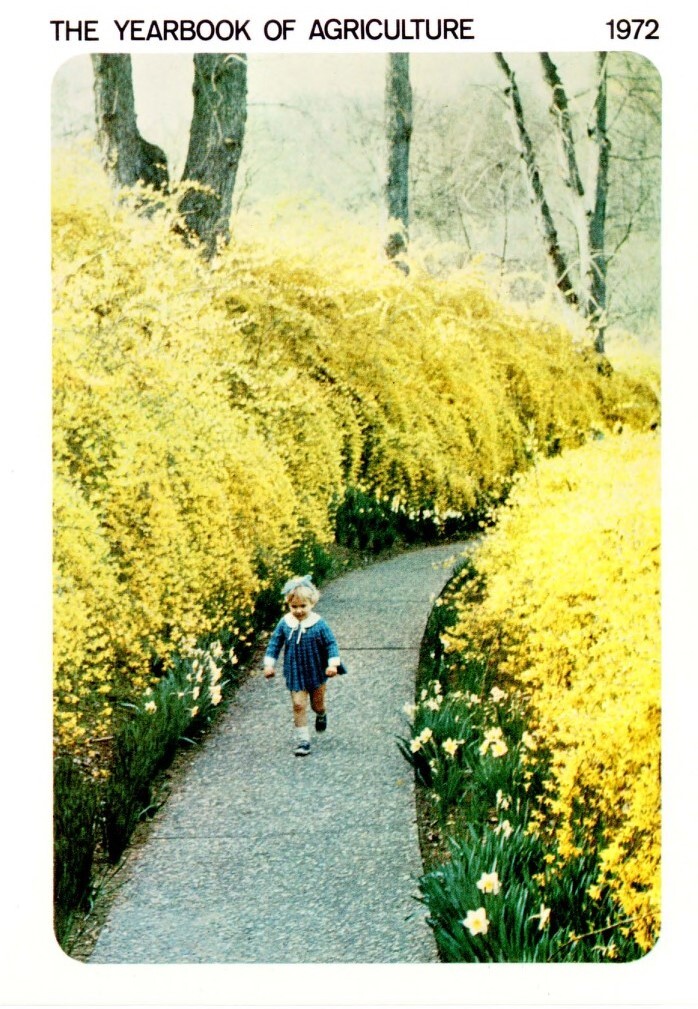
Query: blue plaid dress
x=308 y=647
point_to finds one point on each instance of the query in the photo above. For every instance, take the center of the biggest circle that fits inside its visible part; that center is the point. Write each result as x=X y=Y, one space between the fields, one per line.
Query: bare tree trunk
x=215 y=145
x=561 y=111
x=571 y=173
x=596 y=310
x=398 y=123
x=558 y=260
x=128 y=158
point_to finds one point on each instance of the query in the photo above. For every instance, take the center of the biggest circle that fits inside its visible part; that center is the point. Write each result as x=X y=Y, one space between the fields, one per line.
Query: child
x=311 y=655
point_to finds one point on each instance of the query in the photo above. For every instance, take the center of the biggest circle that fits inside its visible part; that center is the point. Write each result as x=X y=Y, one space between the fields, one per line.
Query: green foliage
x=74 y=825
x=570 y=929
x=181 y=702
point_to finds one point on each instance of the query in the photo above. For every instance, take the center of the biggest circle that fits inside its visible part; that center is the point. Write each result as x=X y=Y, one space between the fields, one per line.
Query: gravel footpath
x=264 y=857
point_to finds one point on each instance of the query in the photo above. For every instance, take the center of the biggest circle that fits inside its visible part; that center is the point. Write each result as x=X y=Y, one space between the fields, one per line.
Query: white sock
x=303 y=732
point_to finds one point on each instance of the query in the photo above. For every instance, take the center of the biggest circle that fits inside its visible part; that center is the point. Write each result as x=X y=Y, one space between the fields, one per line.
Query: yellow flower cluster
x=159 y=483
x=208 y=419
x=572 y=613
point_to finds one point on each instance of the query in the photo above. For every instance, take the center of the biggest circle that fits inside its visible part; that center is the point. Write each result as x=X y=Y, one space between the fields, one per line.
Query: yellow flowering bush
x=570 y=619
x=209 y=419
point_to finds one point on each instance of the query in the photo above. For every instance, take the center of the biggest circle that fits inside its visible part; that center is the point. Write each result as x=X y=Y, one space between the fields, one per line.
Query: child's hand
x=331 y=671
x=269 y=671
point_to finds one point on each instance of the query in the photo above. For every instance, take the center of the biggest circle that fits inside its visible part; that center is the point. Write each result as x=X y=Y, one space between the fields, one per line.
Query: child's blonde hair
x=301 y=587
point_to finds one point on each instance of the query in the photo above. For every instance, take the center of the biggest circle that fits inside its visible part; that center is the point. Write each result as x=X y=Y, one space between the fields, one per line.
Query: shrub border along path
x=263 y=857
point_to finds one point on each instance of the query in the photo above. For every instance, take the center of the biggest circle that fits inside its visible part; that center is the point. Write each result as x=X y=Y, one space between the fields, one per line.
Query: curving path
x=264 y=857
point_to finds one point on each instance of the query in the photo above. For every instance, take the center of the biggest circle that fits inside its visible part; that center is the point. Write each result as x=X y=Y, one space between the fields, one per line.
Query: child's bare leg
x=299 y=700
x=317 y=699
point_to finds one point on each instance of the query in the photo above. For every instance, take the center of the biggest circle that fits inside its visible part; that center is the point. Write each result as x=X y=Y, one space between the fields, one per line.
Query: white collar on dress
x=294 y=622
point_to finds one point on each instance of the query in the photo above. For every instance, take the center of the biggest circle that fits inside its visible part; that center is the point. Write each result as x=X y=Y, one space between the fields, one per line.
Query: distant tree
x=215 y=139
x=466 y=189
x=398 y=126
x=580 y=278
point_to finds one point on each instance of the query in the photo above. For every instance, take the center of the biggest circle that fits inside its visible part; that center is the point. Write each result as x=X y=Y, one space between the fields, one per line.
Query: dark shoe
x=302 y=748
x=321 y=722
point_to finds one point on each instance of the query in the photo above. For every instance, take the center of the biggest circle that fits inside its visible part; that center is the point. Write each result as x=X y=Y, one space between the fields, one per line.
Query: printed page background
x=29 y=651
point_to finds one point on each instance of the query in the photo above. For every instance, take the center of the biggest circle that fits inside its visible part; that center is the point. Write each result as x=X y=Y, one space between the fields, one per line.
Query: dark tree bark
x=398 y=122
x=561 y=111
x=596 y=310
x=557 y=258
x=128 y=158
x=215 y=146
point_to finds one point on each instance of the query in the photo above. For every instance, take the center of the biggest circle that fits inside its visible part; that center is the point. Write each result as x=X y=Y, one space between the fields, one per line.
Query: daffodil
x=489 y=883
x=151 y=707
x=505 y=828
x=497 y=694
x=416 y=745
x=476 y=922
x=450 y=746
x=543 y=917
x=425 y=735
